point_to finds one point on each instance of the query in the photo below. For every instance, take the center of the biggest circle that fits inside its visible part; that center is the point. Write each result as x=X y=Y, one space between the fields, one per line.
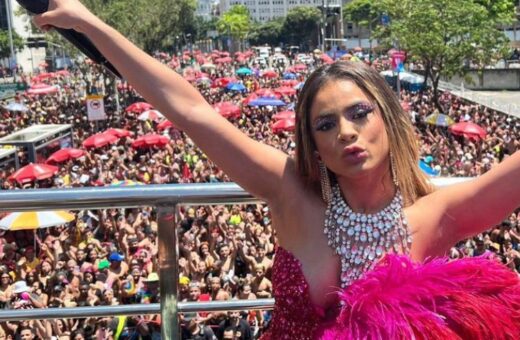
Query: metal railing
x=166 y=198
x=512 y=109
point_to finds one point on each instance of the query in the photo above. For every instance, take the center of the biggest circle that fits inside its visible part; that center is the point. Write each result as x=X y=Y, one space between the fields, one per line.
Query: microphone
x=77 y=39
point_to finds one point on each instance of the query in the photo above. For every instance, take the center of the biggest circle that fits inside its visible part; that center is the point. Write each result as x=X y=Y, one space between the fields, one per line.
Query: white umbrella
x=35 y=220
x=150 y=115
x=14 y=106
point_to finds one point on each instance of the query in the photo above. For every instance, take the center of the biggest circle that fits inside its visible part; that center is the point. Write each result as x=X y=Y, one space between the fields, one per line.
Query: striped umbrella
x=125 y=183
x=35 y=220
x=439 y=119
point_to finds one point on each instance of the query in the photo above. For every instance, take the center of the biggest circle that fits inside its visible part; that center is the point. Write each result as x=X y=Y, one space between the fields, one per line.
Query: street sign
x=385 y=20
x=96 y=108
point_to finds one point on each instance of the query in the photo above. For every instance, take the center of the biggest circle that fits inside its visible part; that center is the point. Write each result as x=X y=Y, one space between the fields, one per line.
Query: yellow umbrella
x=35 y=220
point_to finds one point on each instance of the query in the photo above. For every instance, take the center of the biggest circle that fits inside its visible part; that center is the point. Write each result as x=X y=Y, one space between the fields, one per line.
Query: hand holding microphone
x=61 y=13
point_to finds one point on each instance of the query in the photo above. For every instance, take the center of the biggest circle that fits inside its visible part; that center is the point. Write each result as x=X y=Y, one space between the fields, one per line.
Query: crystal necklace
x=360 y=239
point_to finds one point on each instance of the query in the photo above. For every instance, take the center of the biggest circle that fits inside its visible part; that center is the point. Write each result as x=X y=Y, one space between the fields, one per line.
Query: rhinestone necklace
x=359 y=239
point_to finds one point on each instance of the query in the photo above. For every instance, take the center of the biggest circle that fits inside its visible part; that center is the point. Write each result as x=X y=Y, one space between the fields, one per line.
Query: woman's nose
x=347 y=130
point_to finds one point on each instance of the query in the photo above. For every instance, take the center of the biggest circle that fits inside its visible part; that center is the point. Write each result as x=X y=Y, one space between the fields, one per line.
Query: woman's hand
x=64 y=14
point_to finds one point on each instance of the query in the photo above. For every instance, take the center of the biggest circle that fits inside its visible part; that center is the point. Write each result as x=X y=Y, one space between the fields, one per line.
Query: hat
x=20 y=287
x=116 y=257
x=75 y=168
x=103 y=264
x=184 y=280
x=152 y=277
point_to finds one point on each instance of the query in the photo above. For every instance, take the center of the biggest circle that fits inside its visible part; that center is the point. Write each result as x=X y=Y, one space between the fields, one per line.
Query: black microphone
x=77 y=39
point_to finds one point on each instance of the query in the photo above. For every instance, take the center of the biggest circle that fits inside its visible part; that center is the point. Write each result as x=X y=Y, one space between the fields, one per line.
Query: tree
x=151 y=24
x=301 y=23
x=364 y=13
x=269 y=32
x=5 y=48
x=236 y=22
x=445 y=35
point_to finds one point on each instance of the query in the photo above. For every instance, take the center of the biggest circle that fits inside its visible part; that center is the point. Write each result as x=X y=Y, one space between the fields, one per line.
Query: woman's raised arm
x=472 y=207
x=256 y=167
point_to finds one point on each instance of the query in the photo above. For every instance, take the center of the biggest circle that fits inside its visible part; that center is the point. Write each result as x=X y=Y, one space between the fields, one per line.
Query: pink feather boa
x=471 y=298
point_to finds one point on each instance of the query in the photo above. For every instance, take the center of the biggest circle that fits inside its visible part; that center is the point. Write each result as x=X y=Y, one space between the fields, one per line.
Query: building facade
x=265 y=10
x=27 y=58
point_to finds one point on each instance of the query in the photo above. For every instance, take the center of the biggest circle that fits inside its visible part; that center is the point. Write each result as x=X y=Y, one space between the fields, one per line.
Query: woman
x=352 y=131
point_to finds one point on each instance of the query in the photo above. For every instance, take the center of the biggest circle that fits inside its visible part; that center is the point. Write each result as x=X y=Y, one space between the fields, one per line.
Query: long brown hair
x=413 y=183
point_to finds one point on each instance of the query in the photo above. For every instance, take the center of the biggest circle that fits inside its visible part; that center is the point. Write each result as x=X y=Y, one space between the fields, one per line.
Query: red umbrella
x=266 y=93
x=64 y=155
x=468 y=130
x=227 y=109
x=119 y=132
x=250 y=98
x=33 y=172
x=42 y=89
x=283 y=125
x=223 y=60
x=165 y=124
x=290 y=82
x=285 y=115
x=64 y=73
x=223 y=82
x=326 y=58
x=270 y=74
x=299 y=67
x=150 y=140
x=42 y=76
x=98 y=140
x=285 y=91
x=139 y=107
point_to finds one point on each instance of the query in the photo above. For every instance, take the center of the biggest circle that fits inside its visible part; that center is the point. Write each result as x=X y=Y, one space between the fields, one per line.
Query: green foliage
x=446 y=35
x=5 y=49
x=269 y=32
x=301 y=23
x=235 y=22
x=362 y=12
x=151 y=24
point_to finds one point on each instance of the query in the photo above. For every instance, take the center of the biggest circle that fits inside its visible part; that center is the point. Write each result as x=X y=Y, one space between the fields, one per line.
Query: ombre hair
x=403 y=145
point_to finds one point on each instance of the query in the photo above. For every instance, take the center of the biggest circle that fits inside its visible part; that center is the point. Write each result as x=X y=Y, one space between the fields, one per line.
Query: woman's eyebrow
x=349 y=107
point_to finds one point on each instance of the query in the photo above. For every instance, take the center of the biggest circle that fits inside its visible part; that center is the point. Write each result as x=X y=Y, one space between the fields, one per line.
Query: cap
x=152 y=277
x=116 y=257
x=103 y=264
x=20 y=287
x=75 y=168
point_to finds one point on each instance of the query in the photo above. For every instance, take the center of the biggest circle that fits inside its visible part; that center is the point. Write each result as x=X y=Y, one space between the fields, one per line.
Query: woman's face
x=348 y=130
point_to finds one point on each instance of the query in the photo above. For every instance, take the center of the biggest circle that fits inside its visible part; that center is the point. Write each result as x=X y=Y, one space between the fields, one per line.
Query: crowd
x=109 y=257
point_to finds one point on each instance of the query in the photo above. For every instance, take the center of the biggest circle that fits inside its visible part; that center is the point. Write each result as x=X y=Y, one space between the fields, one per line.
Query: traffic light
x=36 y=42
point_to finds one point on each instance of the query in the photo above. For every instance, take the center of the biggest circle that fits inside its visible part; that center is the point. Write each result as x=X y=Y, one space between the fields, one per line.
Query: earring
x=392 y=168
x=326 y=190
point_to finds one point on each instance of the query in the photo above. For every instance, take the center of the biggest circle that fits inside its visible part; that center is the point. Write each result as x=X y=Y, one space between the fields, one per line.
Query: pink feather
x=471 y=298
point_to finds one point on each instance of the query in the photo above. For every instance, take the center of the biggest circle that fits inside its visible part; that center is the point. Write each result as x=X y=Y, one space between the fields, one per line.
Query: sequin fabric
x=294 y=316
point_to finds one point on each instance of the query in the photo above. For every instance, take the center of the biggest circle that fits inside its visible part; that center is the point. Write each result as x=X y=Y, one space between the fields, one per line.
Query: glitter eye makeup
x=360 y=110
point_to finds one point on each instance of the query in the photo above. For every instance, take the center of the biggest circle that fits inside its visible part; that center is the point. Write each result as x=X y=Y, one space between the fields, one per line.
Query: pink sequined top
x=294 y=316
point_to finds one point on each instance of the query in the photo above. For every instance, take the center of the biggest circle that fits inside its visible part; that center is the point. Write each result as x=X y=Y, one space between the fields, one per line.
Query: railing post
x=168 y=271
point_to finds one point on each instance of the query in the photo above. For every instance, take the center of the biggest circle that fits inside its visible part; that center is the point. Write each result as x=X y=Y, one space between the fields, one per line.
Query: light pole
x=10 y=29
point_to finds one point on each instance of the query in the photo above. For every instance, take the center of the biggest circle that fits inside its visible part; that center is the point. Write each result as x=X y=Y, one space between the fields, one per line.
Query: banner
x=96 y=108
x=398 y=59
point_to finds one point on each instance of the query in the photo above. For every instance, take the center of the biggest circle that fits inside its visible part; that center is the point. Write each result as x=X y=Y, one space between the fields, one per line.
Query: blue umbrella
x=236 y=87
x=244 y=71
x=263 y=101
x=427 y=169
x=289 y=75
